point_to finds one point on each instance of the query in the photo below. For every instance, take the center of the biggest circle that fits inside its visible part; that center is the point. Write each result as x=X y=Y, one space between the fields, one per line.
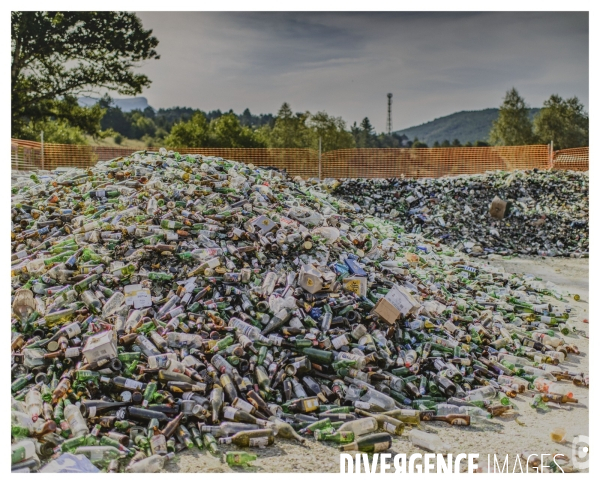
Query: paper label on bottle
x=229 y=413
x=259 y=441
x=72 y=330
x=137 y=296
x=158 y=443
x=91 y=412
x=71 y=352
x=388 y=427
x=243 y=405
x=381 y=446
x=339 y=341
x=171 y=236
x=100 y=193
x=545 y=319
x=132 y=384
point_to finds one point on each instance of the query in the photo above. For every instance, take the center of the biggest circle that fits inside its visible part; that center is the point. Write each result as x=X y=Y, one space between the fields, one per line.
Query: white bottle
x=75 y=420
x=360 y=426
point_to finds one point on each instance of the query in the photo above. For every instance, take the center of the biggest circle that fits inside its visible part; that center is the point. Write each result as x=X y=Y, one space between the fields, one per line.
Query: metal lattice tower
x=389 y=116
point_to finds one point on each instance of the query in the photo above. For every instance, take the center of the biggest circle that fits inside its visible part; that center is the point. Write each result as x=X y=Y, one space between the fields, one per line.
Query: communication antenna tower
x=389 y=116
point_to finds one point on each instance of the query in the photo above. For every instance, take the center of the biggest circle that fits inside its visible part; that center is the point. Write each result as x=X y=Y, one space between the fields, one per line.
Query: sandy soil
x=524 y=430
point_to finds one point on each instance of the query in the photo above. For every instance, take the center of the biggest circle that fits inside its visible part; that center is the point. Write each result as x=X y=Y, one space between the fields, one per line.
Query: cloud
x=345 y=63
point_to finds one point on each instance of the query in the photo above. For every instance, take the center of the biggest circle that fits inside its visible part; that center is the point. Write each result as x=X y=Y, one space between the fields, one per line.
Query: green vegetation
x=185 y=127
x=56 y=56
x=469 y=127
x=562 y=121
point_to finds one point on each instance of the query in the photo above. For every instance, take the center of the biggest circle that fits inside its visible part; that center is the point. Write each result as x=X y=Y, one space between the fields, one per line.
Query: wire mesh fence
x=577 y=159
x=346 y=163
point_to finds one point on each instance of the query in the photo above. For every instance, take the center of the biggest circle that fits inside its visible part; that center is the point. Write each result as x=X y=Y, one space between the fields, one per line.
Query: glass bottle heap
x=162 y=302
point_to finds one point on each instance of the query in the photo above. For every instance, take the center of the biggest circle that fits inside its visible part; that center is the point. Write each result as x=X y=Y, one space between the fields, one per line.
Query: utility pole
x=389 y=115
x=42 y=138
x=320 y=168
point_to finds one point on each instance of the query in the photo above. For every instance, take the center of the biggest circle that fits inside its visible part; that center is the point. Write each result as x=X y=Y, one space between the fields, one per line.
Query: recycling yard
x=191 y=314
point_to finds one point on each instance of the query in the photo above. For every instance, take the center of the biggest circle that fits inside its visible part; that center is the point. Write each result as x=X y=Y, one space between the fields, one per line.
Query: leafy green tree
x=56 y=56
x=114 y=118
x=189 y=134
x=227 y=132
x=331 y=130
x=468 y=144
x=290 y=131
x=513 y=126
x=364 y=135
x=563 y=121
x=480 y=143
x=436 y=144
x=418 y=144
x=55 y=131
x=456 y=143
x=445 y=144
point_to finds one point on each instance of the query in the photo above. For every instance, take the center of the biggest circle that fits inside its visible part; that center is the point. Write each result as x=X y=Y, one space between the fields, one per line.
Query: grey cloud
x=345 y=63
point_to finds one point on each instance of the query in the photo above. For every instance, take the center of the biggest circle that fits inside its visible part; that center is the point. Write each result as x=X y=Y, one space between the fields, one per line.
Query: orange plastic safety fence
x=431 y=162
x=577 y=159
x=348 y=163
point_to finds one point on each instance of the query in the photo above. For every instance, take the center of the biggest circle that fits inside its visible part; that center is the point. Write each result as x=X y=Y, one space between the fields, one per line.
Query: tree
x=364 y=136
x=331 y=130
x=456 y=143
x=436 y=144
x=445 y=144
x=513 y=126
x=480 y=143
x=418 y=144
x=562 y=121
x=56 y=56
x=227 y=132
x=189 y=134
x=290 y=131
x=57 y=131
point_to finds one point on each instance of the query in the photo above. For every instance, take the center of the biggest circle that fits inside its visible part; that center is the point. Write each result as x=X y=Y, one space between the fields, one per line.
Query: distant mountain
x=126 y=104
x=464 y=126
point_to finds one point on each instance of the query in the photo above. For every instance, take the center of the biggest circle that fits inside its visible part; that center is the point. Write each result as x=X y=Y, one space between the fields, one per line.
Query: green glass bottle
x=343 y=437
x=239 y=458
x=160 y=276
x=370 y=443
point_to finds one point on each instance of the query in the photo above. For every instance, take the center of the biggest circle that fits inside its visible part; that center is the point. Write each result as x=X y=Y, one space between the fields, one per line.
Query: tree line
x=58 y=56
x=561 y=121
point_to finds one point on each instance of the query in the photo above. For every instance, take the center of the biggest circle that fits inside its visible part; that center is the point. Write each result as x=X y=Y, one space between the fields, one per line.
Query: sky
x=345 y=63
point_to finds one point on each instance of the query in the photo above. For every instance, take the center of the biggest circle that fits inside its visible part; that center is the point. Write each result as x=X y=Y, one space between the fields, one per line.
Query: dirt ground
x=524 y=430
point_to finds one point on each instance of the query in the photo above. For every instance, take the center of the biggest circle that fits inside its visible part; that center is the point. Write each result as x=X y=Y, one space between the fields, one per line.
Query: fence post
x=42 y=138
x=551 y=154
x=320 y=158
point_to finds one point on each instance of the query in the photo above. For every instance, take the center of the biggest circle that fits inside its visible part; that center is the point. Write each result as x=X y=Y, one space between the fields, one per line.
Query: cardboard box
x=261 y=225
x=386 y=311
x=497 y=208
x=99 y=347
x=397 y=302
x=310 y=279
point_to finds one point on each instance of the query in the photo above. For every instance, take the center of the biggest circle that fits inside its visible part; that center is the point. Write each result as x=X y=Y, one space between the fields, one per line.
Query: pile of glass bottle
x=163 y=302
x=547 y=213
